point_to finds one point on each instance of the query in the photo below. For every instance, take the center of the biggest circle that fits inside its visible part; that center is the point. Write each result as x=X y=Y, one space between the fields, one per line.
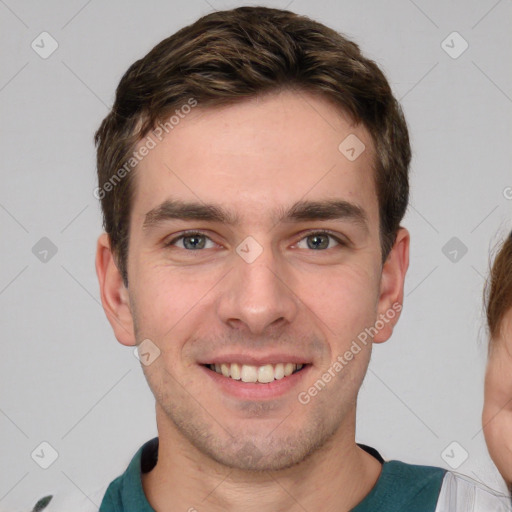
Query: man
x=253 y=173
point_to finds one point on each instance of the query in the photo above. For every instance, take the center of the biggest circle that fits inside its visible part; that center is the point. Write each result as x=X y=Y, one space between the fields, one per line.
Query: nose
x=258 y=296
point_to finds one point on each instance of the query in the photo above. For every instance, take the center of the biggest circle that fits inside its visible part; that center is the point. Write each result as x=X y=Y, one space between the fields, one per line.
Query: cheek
x=344 y=298
x=168 y=301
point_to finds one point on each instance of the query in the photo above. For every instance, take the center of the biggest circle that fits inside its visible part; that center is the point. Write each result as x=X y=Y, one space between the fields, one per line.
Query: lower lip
x=254 y=390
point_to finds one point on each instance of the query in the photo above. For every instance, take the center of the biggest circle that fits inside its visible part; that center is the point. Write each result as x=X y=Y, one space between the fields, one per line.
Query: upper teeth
x=248 y=373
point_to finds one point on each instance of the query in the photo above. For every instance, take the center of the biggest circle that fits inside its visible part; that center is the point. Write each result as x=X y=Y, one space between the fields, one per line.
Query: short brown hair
x=498 y=289
x=228 y=56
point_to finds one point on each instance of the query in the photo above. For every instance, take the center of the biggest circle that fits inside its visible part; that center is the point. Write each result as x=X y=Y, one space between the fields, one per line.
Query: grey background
x=65 y=380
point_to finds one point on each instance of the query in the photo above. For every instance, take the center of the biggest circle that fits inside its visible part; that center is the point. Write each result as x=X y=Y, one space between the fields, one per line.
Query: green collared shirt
x=400 y=487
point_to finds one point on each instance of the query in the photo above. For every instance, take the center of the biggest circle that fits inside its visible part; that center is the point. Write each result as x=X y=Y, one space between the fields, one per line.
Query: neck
x=339 y=476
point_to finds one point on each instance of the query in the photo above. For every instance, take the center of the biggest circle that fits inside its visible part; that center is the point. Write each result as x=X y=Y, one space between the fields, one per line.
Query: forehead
x=257 y=156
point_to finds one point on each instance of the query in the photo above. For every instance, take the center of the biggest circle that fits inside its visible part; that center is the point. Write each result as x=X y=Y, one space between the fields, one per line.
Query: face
x=497 y=410
x=282 y=273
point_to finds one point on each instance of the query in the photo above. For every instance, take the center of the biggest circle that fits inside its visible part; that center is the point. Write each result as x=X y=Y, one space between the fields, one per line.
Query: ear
x=114 y=295
x=392 y=286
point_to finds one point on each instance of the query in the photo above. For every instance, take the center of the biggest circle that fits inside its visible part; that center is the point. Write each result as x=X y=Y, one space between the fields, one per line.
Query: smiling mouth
x=260 y=374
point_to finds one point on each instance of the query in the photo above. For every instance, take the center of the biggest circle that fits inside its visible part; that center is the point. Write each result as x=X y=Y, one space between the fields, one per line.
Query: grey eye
x=319 y=241
x=192 y=241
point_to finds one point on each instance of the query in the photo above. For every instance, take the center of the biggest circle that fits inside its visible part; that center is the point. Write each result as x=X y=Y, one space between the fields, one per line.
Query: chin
x=249 y=457
x=265 y=451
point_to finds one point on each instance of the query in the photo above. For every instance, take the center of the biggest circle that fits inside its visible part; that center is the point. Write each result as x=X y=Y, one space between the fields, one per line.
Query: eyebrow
x=300 y=211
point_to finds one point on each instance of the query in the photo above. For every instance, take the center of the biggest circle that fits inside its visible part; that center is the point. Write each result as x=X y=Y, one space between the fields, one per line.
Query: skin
x=219 y=452
x=497 y=410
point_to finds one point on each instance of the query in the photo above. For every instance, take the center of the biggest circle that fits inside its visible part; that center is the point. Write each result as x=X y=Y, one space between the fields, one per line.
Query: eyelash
x=187 y=234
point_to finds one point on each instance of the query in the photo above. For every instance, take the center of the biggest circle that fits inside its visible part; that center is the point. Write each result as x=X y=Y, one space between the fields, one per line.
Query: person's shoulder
x=75 y=502
x=456 y=492
x=404 y=486
x=413 y=476
x=413 y=486
x=462 y=493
